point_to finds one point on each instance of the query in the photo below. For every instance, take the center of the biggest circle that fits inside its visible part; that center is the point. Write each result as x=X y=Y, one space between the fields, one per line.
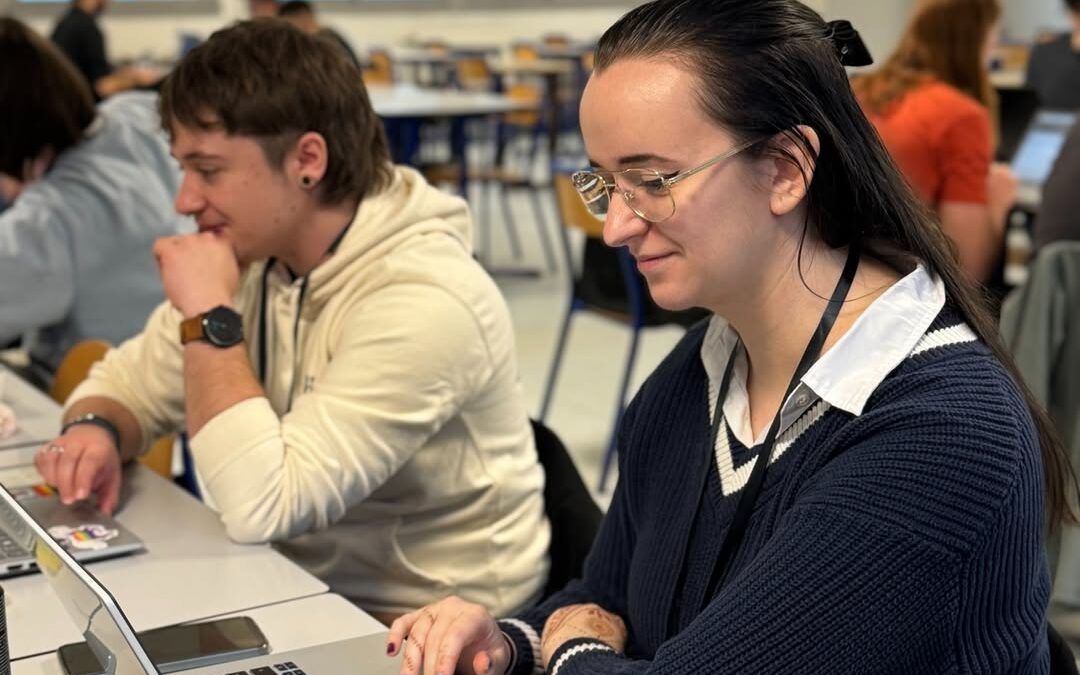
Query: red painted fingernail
x=390 y=649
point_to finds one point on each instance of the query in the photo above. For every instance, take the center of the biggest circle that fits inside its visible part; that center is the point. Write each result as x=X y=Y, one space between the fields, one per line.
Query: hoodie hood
x=409 y=210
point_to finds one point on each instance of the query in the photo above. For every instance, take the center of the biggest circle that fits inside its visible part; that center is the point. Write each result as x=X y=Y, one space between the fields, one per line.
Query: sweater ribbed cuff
x=526 y=643
x=574 y=656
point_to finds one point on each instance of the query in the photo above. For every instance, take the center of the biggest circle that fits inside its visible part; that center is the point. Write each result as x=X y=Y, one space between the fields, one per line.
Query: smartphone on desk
x=181 y=647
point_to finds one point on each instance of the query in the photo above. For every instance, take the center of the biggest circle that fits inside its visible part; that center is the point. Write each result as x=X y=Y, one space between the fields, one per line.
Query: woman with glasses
x=839 y=472
x=931 y=102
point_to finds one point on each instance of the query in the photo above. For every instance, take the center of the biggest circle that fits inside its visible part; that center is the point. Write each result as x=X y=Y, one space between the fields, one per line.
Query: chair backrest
x=556 y=40
x=524 y=51
x=572 y=211
x=75 y=366
x=526 y=93
x=473 y=73
x=587 y=61
x=574 y=516
x=1062 y=660
x=380 y=68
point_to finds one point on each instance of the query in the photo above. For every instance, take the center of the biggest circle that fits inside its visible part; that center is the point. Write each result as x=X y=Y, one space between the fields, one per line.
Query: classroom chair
x=574 y=516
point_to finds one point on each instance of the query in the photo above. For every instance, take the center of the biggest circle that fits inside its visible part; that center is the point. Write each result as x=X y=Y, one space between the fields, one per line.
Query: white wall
x=157 y=35
x=1023 y=19
x=879 y=21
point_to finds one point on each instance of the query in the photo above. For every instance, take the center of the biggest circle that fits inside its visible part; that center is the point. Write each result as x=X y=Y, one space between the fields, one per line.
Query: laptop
x=110 y=635
x=1039 y=149
x=86 y=532
x=1016 y=109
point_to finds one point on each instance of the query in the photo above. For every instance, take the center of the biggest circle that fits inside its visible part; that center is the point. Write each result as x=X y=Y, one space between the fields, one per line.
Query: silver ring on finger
x=54 y=448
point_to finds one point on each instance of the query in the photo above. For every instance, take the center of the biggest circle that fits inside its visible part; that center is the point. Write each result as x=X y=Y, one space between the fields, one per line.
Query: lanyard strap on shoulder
x=737 y=530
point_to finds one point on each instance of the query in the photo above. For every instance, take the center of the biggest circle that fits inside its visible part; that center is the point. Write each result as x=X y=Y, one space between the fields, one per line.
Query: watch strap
x=97 y=421
x=192 y=329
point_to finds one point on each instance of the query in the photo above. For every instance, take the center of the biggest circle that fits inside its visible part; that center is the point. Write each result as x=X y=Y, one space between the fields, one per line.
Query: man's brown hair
x=268 y=80
x=46 y=102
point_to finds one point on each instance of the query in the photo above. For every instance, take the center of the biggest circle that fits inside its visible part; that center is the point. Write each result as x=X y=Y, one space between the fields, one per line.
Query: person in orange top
x=931 y=104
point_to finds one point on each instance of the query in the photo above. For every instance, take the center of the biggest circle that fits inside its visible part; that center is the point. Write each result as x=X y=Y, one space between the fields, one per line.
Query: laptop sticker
x=85 y=537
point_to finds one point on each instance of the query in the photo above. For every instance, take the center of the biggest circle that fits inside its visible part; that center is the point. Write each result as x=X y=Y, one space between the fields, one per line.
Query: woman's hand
x=450 y=636
x=581 y=621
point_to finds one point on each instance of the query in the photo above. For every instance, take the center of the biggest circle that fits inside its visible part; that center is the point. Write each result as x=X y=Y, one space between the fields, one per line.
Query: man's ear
x=792 y=168
x=309 y=159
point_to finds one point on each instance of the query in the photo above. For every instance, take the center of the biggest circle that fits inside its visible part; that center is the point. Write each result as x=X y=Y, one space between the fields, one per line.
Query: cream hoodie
x=404 y=469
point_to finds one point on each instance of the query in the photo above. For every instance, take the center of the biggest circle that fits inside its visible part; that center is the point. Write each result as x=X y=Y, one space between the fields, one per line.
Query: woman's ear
x=792 y=168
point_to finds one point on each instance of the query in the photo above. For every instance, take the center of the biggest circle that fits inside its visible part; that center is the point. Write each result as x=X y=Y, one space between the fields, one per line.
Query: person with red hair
x=933 y=105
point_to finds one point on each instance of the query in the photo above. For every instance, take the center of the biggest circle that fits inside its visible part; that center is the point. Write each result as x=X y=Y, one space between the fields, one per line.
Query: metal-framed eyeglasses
x=646 y=191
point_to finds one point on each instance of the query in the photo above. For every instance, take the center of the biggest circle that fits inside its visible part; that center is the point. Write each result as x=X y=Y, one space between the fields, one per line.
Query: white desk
x=190 y=571
x=410 y=102
x=1008 y=79
x=288 y=625
x=36 y=415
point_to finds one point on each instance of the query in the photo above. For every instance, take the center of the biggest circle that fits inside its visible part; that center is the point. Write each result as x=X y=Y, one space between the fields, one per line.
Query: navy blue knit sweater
x=906 y=540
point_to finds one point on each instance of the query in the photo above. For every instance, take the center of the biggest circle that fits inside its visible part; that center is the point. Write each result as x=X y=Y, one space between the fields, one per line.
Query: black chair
x=575 y=517
x=1062 y=660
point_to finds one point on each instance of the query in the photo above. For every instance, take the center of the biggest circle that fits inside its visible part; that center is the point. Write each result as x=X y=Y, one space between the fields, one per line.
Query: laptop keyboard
x=287 y=668
x=9 y=549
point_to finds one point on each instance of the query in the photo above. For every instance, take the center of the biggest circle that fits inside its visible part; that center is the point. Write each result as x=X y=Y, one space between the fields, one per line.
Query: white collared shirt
x=846 y=375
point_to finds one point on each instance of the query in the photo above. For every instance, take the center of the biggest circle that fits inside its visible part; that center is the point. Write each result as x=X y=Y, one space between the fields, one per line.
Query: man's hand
x=199 y=271
x=581 y=621
x=82 y=461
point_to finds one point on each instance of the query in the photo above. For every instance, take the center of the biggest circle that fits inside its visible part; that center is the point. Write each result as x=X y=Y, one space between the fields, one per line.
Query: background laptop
x=108 y=632
x=1038 y=150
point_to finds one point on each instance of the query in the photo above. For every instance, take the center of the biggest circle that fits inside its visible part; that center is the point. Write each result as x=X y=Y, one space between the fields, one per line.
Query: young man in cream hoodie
x=344 y=368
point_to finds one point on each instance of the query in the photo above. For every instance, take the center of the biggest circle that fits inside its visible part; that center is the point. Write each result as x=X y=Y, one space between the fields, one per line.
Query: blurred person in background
x=78 y=35
x=89 y=189
x=262 y=9
x=933 y=105
x=301 y=14
x=1054 y=68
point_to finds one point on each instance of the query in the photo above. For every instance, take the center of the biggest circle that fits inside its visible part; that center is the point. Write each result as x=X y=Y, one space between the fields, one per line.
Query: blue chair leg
x=620 y=405
x=187 y=478
x=508 y=219
x=542 y=228
x=556 y=361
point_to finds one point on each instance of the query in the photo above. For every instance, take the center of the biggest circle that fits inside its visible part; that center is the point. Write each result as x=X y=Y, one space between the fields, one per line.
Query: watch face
x=223 y=327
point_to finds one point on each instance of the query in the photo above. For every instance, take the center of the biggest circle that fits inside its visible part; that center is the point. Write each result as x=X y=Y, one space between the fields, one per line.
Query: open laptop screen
x=1040 y=146
x=91 y=607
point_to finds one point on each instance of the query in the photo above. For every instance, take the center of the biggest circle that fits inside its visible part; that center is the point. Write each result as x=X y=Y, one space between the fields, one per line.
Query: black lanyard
x=737 y=530
x=264 y=321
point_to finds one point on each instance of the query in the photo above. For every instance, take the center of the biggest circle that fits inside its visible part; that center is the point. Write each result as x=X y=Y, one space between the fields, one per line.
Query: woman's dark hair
x=46 y=102
x=268 y=80
x=765 y=68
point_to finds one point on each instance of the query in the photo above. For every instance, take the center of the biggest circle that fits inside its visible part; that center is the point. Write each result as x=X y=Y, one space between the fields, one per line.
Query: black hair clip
x=848 y=44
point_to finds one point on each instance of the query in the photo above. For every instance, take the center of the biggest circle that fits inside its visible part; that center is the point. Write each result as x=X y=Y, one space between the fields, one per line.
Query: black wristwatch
x=221 y=327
